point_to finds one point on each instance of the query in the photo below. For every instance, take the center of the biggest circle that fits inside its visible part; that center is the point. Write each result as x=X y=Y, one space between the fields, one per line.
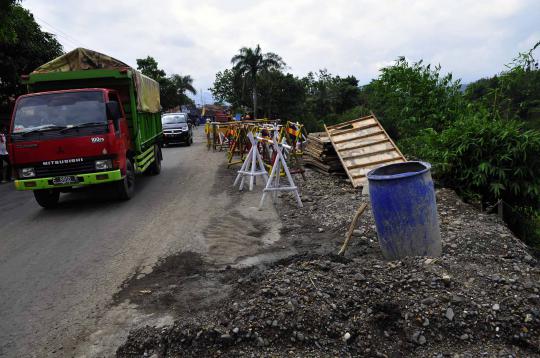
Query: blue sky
x=471 y=39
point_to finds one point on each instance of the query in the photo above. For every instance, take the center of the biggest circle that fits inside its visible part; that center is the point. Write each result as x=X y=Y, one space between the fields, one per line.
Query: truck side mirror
x=114 y=112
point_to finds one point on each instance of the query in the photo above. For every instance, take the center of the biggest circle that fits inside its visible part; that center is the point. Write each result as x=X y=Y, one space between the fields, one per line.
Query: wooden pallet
x=362 y=144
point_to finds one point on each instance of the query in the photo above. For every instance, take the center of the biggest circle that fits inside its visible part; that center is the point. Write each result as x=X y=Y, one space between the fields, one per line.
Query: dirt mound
x=321 y=307
x=482 y=297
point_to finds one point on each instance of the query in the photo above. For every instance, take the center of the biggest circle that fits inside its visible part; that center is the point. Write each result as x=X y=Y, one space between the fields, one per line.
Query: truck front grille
x=65 y=169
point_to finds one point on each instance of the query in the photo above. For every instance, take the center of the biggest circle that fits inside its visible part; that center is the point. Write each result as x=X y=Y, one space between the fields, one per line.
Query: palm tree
x=249 y=62
x=173 y=90
x=183 y=84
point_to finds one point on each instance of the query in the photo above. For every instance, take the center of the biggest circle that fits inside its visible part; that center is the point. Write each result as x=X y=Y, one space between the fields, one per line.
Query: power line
x=61 y=33
x=66 y=35
x=59 y=36
x=62 y=39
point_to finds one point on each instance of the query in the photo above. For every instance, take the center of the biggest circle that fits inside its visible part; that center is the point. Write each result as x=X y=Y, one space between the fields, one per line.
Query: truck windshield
x=174 y=118
x=59 y=110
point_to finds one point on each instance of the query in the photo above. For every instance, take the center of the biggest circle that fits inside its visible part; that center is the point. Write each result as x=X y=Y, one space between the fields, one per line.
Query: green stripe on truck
x=144 y=160
x=84 y=179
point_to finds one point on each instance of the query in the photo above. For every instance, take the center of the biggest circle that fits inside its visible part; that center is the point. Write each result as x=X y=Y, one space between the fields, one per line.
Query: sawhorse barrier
x=252 y=167
x=273 y=183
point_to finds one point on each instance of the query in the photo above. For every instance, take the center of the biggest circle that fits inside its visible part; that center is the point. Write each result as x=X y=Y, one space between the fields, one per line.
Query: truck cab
x=70 y=133
x=68 y=138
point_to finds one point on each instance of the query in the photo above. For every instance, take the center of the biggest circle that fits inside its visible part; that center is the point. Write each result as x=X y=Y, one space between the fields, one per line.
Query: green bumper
x=84 y=179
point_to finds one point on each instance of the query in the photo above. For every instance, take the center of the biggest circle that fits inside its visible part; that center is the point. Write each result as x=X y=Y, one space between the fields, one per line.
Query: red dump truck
x=88 y=119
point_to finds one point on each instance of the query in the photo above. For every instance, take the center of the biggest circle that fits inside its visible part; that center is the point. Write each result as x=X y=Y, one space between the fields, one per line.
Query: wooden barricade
x=363 y=144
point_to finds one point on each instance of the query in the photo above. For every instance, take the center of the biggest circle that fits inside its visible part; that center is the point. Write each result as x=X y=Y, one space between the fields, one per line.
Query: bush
x=491 y=158
x=514 y=93
x=311 y=123
x=484 y=159
x=487 y=160
x=525 y=223
x=349 y=115
x=408 y=98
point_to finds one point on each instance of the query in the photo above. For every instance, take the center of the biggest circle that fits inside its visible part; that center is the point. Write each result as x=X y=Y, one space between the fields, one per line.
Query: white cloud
x=469 y=38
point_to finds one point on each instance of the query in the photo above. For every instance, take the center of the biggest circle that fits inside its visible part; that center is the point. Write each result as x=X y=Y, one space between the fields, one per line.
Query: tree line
x=24 y=46
x=257 y=82
x=172 y=88
x=482 y=141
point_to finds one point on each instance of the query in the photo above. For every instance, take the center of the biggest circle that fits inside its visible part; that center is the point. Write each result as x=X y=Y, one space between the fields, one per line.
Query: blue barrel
x=403 y=204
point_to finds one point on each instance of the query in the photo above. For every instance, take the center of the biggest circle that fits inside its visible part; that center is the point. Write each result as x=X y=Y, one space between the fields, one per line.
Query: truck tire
x=155 y=167
x=126 y=187
x=47 y=198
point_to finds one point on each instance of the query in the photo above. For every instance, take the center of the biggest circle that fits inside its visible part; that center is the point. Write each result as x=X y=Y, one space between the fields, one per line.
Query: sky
x=471 y=39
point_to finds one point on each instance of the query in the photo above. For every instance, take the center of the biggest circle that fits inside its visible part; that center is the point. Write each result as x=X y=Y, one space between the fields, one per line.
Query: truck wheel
x=126 y=186
x=47 y=198
x=155 y=167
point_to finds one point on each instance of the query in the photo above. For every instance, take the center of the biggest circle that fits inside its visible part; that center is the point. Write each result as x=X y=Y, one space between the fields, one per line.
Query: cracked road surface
x=60 y=268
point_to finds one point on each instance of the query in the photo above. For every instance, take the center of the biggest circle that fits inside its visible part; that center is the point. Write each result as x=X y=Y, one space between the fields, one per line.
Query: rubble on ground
x=480 y=298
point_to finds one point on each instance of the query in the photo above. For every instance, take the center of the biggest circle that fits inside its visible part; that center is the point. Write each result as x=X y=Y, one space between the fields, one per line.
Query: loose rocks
x=480 y=298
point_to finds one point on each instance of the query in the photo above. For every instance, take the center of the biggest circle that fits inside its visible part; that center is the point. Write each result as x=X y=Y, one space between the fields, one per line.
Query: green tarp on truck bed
x=82 y=59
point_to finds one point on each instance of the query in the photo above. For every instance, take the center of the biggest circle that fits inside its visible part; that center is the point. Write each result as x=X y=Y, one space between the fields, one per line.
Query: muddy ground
x=188 y=281
x=295 y=297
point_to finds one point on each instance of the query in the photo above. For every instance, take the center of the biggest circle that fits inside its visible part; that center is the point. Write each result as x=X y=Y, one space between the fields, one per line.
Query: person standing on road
x=4 y=159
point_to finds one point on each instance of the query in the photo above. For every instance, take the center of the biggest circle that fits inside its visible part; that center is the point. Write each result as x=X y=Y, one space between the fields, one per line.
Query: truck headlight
x=27 y=173
x=103 y=164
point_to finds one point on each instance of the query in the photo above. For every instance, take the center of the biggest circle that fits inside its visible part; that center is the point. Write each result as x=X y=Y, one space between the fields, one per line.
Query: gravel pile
x=481 y=298
x=329 y=201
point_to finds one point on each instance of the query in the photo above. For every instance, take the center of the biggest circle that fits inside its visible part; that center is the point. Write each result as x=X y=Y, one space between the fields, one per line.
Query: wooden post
x=349 y=234
x=214 y=127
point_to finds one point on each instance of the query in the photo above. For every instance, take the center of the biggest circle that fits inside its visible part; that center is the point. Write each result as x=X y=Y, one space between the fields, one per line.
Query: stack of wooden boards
x=361 y=145
x=321 y=155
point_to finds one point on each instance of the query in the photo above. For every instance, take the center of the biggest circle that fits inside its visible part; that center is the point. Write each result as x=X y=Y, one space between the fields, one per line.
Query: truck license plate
x=65 y=180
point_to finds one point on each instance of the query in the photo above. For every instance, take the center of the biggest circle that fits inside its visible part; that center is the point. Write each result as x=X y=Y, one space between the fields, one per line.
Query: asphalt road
x=59 y=268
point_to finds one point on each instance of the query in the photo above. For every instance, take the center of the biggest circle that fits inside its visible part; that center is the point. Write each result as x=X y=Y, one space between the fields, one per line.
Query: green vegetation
x=484 y=143
x=485 y=159
x=258 y=82
x=250 y=63
x=23 y=47
x=172 y=88
x=408 y=97
x=514 y=93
